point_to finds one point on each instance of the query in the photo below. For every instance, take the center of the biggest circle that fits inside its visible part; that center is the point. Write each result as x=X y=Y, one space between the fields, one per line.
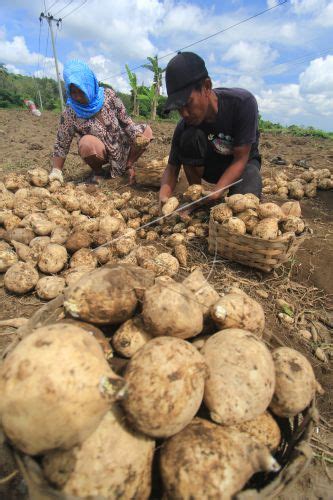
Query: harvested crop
x=184 y=318
x=181 y=254
x=193 y=192
x=165 y=264
x=221 y=212
x=152 y=235
x=7 y=257
x=325 y=184
x=263 y=429
x=170 y=205
x=33 y=371
x=175 y=373
x=84 y=258
x=77 y=240
x=296 y=384
x=108 y=295
x=310 y=190
x=14 y=181
x=242 y=376
x=109 y=224
x=90 y=206
x=240 y=202
x=38 y=177
x=204 y=293
x=26 y=253
x=103 y=255
x=234 y=225
x=267 y=229
x=296 y=190
x=50 y=287
x=175 y=239
x=250 y=219
x=72 y=276
x=120 y=458
x=11 y=221
x=21 y=235
x=52 y=259
x=272 y=210
x=216 y=462
x=291 y=208
x=293 y=224
x=21 y=278
x=42 y=226
x=37 y=244
x=59 y=216
x=59 y=235
x=130 y=337
x=238 y=310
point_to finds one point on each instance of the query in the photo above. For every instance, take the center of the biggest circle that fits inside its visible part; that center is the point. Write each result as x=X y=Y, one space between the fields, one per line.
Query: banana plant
x=149 y=94
x=134 y=86
x=157 y=79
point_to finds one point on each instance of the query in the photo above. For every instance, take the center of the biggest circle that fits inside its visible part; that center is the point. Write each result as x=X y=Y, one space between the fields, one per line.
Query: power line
x=63 y=8
x=204 y=39
x=54 y=3
x=76 y=8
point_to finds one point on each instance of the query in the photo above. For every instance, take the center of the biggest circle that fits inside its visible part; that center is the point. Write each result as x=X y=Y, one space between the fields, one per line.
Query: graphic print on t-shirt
x=222 y=144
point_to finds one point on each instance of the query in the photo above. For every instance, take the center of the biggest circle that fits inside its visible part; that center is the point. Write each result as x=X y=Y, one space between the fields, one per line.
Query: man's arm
x=234 y=171
x=168 y=182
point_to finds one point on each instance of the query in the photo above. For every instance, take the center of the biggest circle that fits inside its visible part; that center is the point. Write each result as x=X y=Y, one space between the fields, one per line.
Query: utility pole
x=40 y=100
x=49 y=19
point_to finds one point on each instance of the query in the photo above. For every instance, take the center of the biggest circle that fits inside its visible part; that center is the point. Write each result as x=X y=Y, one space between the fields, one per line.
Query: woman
x=106 y=134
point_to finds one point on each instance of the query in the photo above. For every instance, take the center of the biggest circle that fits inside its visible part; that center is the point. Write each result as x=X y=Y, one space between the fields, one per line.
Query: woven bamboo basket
x=294 y=453
x=149 y=172
x=251 y=251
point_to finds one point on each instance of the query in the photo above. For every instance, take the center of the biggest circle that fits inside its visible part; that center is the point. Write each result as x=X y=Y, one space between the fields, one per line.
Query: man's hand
x=56 y=175
x=161 y=200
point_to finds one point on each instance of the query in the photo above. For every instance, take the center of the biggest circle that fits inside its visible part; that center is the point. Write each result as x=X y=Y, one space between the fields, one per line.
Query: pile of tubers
x=305 y=185
x=198 y=376
x=51 y=234
x=244 y=214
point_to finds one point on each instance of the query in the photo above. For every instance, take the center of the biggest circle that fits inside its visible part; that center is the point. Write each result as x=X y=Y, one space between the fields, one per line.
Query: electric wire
x=54 y=3
x=74 y=10
x=63 y=8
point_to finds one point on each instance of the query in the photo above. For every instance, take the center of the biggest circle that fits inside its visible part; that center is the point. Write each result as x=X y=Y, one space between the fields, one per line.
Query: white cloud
x=307 y=6
x=251 y=57
x=318 y=77
x=325 y=16
x=13 y=69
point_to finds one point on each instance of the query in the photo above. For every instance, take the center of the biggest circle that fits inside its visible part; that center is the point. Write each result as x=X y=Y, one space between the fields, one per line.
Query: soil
x=306 y=283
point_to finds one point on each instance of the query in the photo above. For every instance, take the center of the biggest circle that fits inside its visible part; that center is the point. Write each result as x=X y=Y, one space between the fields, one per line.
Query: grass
x=296 y=130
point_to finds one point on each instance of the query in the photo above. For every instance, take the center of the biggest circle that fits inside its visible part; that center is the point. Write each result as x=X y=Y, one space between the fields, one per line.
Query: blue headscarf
x=79 y=74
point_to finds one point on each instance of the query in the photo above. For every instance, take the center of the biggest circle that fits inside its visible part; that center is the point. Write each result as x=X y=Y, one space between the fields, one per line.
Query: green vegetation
x=277 y=128
x=15 y=88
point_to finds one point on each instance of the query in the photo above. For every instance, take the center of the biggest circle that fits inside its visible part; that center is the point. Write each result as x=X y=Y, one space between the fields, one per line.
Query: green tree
x=157 y=82
x=149 y=95
x=134 y=90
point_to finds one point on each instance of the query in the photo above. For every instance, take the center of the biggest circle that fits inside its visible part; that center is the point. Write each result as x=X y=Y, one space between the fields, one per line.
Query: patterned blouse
x=113 y=127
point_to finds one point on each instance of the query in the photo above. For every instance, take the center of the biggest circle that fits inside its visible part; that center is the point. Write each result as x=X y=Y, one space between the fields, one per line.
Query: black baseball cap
x=182 y=73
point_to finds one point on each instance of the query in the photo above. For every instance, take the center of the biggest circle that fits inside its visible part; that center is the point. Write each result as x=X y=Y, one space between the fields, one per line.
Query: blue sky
x=285 y=56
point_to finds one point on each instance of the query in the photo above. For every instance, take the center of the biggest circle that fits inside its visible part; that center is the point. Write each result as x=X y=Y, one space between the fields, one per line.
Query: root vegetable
x=54 y=186
x=21 y=278
x=103 y=255
x=72 y=276
x=120 y=458
x=296 y=190
x=170 y=206
x=130 y=337
x=181 y=254
x=33 y=371
x=77 y=240
x=50 y=287
x=175 y=239
x=241 y=202
x=124 y=245
x=59 y=235
x=166 y=264
x=204 y=293
x=130 y=213
x=263 y=429
x=39 y=243
x=152 y=236
x=38 y=177
x=234 y=225
x=69 y=202
x=7 y=200
x=215 y=462
x=7 y=257
x=193 y=192
x=295 y=382
x=325 y=184
x=42 y=227
x=84 y=258
x=242 y=376
x=221 y=212
x=184 y=318
x=90 y=206
x=291 y=208
x=294 y=224
x=310 y=190
x=271 y=210
x=267 y=229
x=175 y=373
x=108 y=295
x=59 y=216
x=145 y=253
x=109 y=224
x=236 y=310
x=283 y=193
x=11 y=221
x=26 y=253
x=250 y=219
x=52 y=258
x=15 y=181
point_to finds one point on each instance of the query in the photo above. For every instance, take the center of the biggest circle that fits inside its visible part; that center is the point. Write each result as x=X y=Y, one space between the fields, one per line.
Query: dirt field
x=306 y=283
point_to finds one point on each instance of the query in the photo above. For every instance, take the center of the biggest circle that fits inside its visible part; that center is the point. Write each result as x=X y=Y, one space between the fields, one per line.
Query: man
x=217 y=136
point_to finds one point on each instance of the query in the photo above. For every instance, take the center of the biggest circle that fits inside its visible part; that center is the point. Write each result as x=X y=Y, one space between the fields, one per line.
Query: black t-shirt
x=236 y=124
